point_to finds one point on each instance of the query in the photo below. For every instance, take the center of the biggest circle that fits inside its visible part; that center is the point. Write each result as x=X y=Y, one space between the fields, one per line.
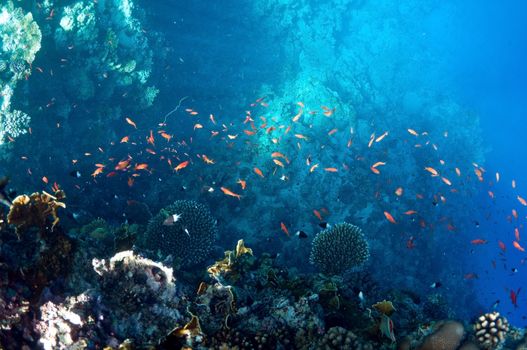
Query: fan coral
x=188 y=237
x=28 y=211
x=491 y=329
x=339 y=248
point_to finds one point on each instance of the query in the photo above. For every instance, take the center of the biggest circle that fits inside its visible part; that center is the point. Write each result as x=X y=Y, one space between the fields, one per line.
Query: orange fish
x=142 y=166
x=207 y=159
x=242 y=183
x=317 y=214
x=517 y=234
x=230 y=193
x=375 y=170
x=447 y=181
x=131 y=122
x=249 y=132
x=413 y=132
x=380 y=138
x=378 y=164
x=125 y=139
x=300 y=136
x=198 y=126
x=279 y=163
x=522 y=201
x=45 y=179
x=410 y=212
x=166 y=136
x=284 y=228
x=432 y=171
x=258 y=172
x=313 y=167
x=181 y=165
x=97 y=172
x=150 y=139
x=518 y=246
x=458 y=172
x=399 y=191
x=332 y=131
x=478 y=241
x=331 y=170
x=389 y=217
x=123 y=164
x=279 y=155
x=502 y=246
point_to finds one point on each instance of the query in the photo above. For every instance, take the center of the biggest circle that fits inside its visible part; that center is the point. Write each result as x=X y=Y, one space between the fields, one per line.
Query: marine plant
x=339 y=248
x=188 y=237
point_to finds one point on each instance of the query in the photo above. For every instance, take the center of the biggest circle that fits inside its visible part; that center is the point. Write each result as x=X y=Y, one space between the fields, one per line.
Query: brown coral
x=447 y=337
x=33 y=211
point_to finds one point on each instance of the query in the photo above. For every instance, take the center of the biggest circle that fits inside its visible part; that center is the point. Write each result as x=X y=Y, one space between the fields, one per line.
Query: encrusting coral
x=185 y=230
x=34 y=210
x=339 y=248
x=447 y=336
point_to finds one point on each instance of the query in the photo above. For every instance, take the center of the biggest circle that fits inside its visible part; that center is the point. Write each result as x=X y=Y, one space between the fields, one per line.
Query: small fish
x=331 y=170
x=436 y=285
x=125 y=139
x=142 y=166
x=514 y=297
x=478 y=241
x=410 y=212
x=324 y=225
x=399 y=191
x=317 y=214
x=389 y=217
x=502 y=246
x=284 y=228
x=432 y=171
x=522 y=201
x=131 y=122
x=380 y=138
x=518 y=246
x=75 y=173
x=242 y=183
x=172 y=219
x=412 y=132
x=181 y=165
x=229 y=192
x=496 y=304
x=258 y=172
x=45 y=180
x=362 y=298
x=301 y=234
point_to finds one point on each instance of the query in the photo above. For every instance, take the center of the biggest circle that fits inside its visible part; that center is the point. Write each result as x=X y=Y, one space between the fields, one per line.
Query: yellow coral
x=384 y=307
x=29 y=211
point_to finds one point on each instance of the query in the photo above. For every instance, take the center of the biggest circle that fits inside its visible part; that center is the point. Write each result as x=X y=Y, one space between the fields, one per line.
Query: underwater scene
x=263 y=174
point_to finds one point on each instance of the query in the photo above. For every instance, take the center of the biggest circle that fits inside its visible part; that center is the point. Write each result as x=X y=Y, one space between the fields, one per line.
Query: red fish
x=181 y=165
x=284 y=228
x=514 y=297
x=502 y=246
x=229 y=192
x=389 y=217
x=478 y=241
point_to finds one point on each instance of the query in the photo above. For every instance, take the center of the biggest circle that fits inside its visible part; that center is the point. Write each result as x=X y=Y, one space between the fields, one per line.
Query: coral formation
x=491 y=330
x=339 y=248
x=447 y=336
x=188 y=238
x=34 y=210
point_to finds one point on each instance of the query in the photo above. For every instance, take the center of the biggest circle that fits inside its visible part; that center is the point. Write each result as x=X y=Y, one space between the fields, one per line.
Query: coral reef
x=20 y=40
x=491 y=330
x=339 y=248
x=28 y=211
x=187 y=236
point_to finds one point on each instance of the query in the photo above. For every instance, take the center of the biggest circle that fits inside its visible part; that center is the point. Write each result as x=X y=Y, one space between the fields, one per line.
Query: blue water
x=336 y=87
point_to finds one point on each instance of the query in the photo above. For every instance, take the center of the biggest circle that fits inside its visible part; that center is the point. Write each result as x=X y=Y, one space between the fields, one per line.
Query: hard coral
x=447 y=337
x=339 y=248
x=188 y=238
x=491 y=329
x=33 y=211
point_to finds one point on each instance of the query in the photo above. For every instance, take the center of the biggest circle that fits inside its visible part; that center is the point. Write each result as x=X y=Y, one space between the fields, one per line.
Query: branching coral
x=339 y=248
x=491 y=329
x=33 y=211
x=187 y=235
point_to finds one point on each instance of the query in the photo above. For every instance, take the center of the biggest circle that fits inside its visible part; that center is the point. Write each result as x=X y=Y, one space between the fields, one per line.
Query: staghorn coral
x=491 y=329
x=339 y=248
x=29 y=211
x=188 y=238
x=447 y=336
